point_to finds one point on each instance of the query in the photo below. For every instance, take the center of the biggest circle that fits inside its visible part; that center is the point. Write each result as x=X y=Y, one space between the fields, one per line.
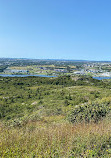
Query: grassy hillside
x=55 y=117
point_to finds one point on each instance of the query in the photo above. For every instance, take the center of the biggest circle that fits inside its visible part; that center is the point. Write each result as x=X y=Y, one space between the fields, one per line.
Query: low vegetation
x=55 y=117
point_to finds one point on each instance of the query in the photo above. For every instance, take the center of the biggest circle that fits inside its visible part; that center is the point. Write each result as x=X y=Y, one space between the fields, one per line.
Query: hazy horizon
x=56 y=59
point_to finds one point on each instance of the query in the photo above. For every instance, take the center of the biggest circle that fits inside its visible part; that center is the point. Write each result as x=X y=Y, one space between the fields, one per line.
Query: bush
x=88 y=112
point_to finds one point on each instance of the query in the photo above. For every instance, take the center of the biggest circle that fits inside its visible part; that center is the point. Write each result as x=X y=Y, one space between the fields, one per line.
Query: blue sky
x=55 y=29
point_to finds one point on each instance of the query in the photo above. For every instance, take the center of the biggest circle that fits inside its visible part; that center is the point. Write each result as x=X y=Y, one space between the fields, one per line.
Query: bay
x=101 y=78
x=7 y=75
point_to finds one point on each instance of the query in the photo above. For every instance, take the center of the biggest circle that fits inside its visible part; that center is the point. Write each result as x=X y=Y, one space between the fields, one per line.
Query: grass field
x=54 y=118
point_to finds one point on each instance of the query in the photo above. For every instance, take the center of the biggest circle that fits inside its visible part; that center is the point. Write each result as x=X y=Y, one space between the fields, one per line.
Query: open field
x=55 y=117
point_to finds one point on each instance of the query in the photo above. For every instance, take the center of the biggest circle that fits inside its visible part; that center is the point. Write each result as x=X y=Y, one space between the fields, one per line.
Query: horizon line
x=54 y=59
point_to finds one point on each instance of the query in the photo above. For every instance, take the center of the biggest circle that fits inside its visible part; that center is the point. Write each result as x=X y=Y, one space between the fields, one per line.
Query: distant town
x=54 y=67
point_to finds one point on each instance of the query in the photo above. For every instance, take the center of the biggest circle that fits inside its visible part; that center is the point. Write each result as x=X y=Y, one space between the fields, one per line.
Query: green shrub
x=88 y=112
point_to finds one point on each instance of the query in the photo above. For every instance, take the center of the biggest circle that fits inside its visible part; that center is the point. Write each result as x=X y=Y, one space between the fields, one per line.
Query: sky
x=55 y=29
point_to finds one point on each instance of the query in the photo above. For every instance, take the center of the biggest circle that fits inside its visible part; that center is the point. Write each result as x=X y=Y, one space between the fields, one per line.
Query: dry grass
x=40 y=139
